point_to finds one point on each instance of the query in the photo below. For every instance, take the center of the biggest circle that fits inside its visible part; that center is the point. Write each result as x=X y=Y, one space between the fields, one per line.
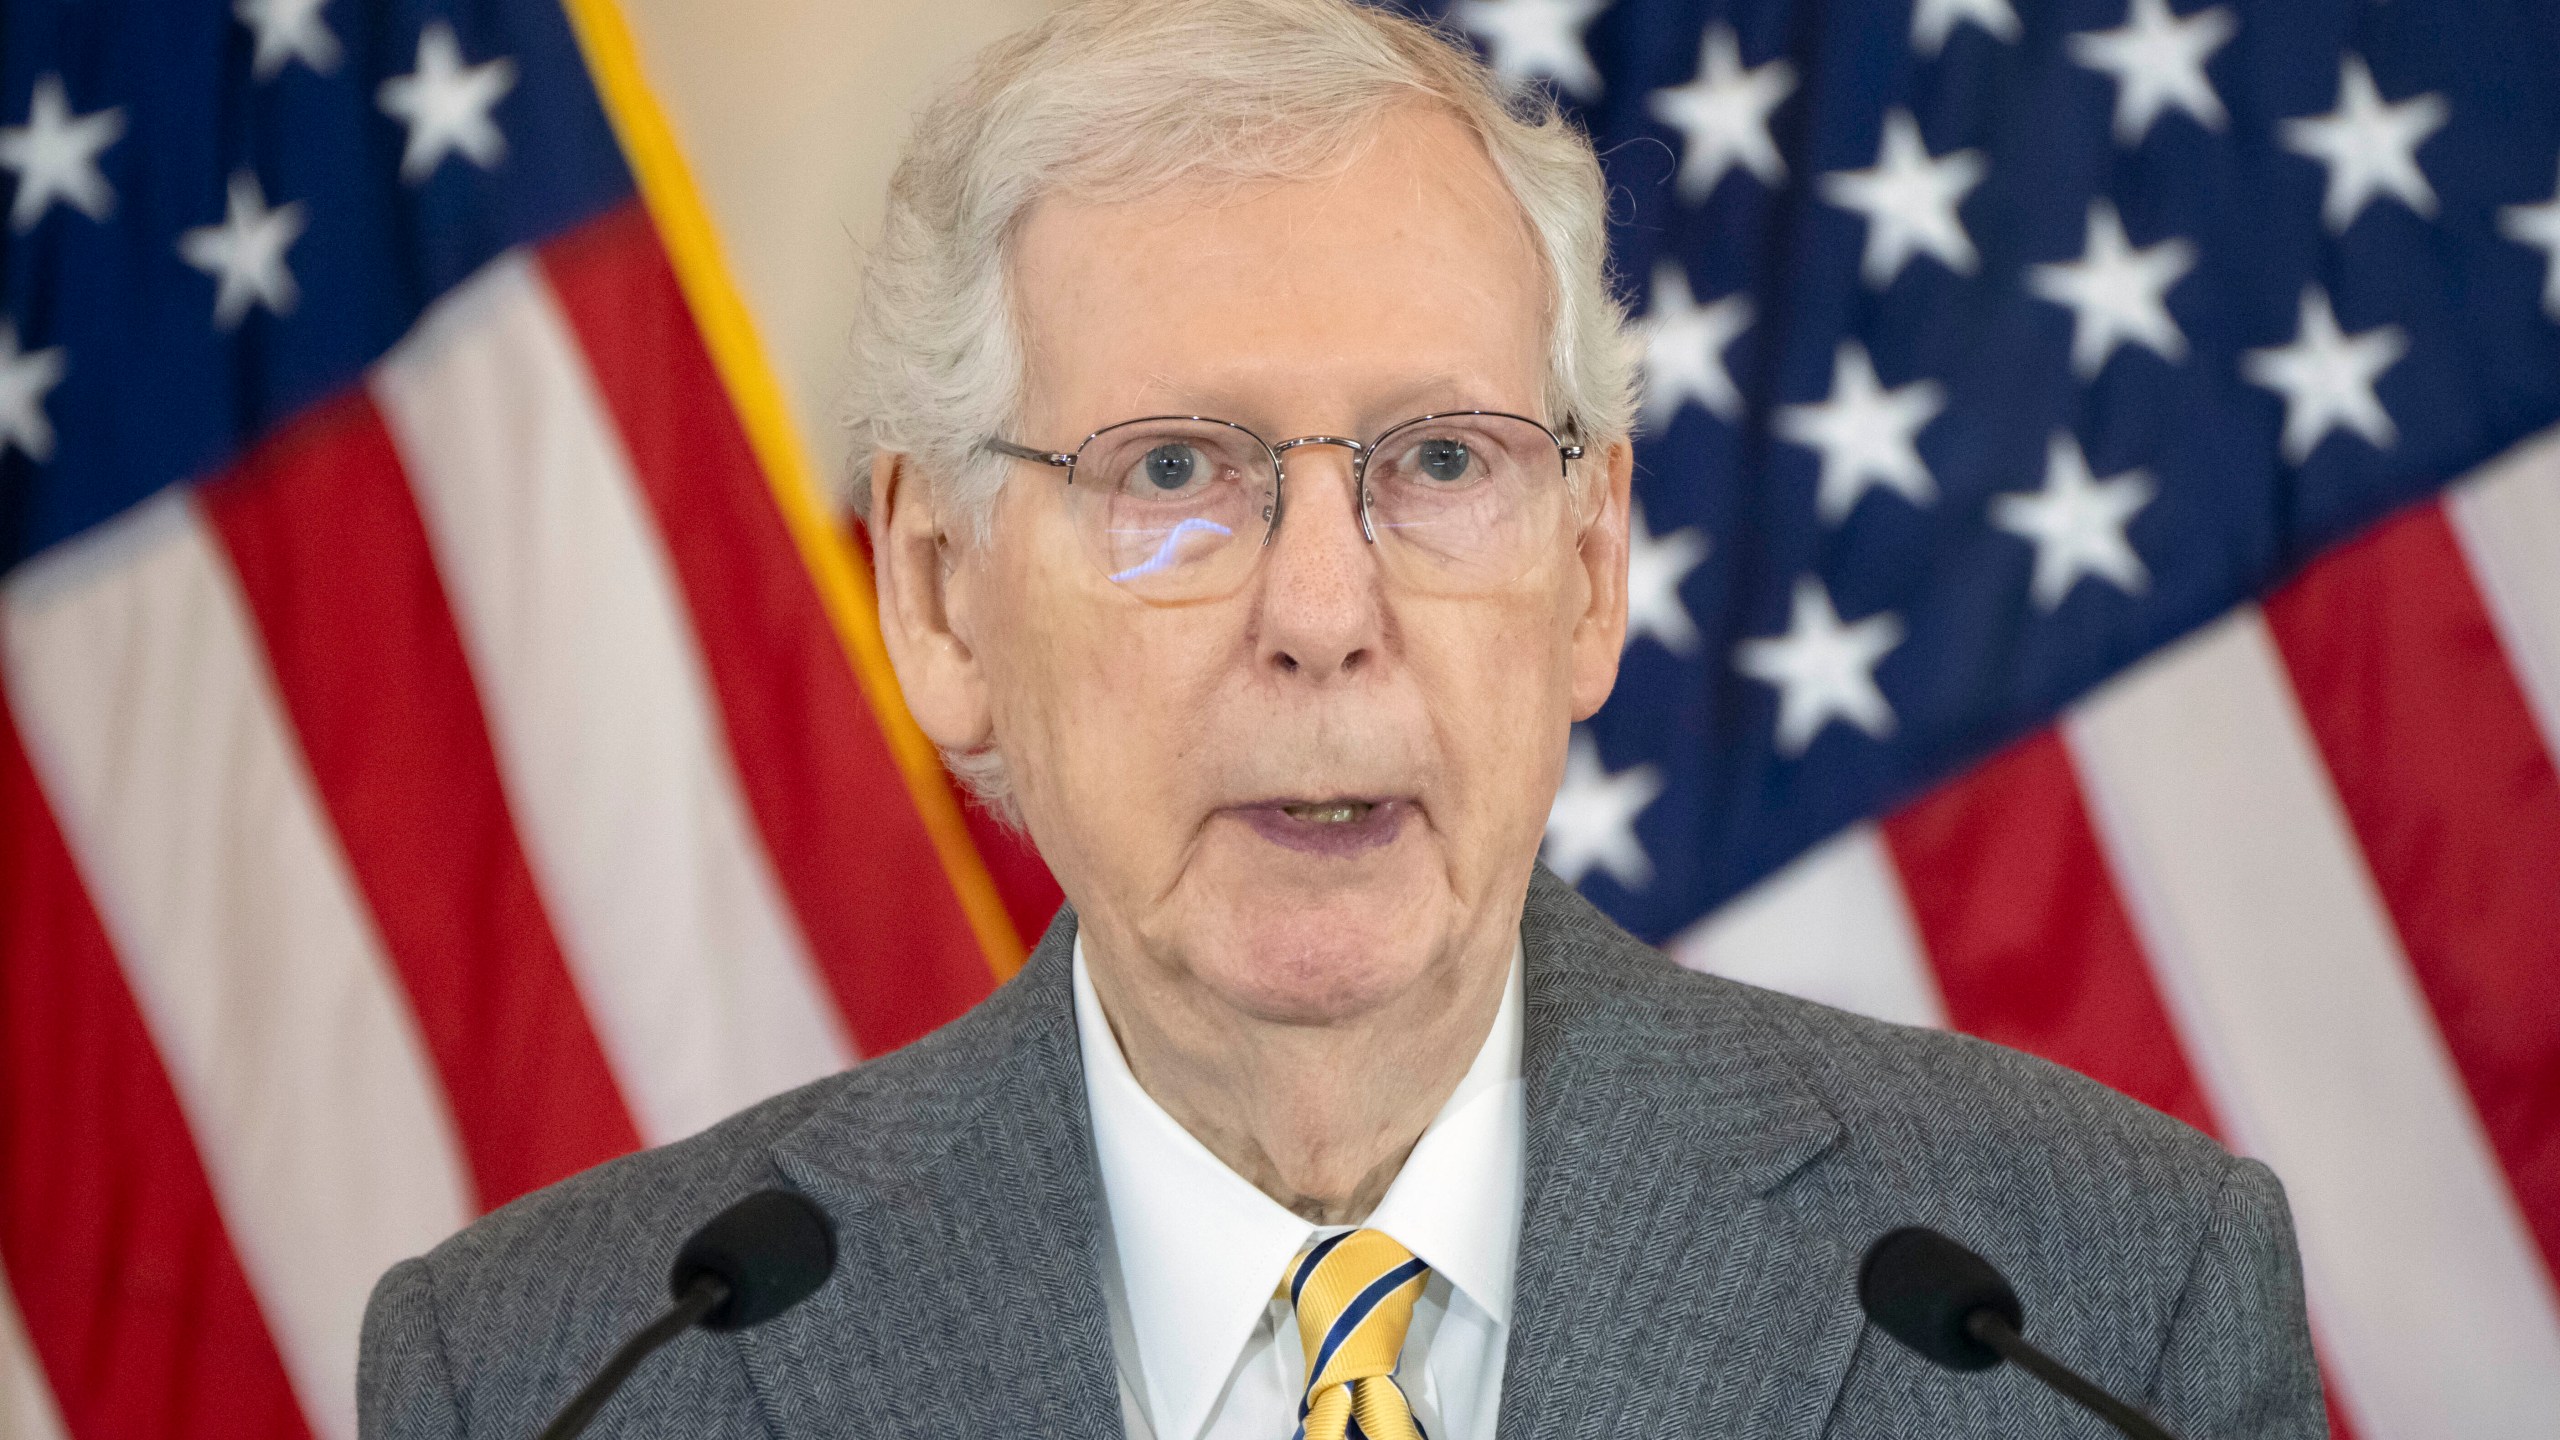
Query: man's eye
x=1171 y=467
x=1445 y=461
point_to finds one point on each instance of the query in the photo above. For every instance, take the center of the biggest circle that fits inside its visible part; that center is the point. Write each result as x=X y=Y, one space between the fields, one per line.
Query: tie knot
x=1354 y=1295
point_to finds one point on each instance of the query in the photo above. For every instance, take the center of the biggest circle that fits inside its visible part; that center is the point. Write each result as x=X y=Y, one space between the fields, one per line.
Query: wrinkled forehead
x=1403 y=273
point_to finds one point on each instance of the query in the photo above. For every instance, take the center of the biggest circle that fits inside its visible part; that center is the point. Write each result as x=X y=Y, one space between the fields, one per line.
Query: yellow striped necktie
x=1354 y=1294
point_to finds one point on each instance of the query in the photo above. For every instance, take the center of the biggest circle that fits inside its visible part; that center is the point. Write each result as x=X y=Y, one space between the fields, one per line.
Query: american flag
x=2098 y=583
x=445 y=740
x=445 y=743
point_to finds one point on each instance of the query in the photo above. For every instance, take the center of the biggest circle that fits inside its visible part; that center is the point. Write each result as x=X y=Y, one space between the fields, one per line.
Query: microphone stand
x=1987 y=1326
x=707 y=1293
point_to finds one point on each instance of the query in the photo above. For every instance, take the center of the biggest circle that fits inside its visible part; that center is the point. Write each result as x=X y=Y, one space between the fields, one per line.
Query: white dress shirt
x=1194 y=1252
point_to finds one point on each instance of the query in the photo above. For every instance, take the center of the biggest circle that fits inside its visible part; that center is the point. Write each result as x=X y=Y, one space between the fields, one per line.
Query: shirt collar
x=1456 y=1202
x=1200 y=1248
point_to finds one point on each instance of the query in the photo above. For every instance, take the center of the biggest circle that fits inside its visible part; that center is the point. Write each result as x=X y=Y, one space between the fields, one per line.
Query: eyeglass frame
x=1566 y=453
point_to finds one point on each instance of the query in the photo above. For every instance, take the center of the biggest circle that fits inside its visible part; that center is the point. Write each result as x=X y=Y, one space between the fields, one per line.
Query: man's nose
x=1320 y=600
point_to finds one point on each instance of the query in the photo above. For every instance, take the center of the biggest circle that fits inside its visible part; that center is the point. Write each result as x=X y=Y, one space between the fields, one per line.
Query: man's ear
x=924 y=607
x=1600 y=631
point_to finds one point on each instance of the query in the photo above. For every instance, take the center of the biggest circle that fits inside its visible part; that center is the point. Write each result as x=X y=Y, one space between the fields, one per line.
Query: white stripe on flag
x=1832 y=926
x=150 y=719
x=26 y=1397
x=2290 y=990
x=2508 y=520
x=614 y=759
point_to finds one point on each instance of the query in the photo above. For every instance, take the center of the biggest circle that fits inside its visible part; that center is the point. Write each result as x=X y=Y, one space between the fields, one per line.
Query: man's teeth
x=1331 y=812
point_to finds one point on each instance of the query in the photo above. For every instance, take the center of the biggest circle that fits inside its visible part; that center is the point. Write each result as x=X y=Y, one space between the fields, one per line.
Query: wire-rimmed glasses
x=1179 y=507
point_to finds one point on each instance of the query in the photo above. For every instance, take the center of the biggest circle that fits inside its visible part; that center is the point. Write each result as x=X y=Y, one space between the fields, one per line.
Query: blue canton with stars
x=1990 y=347
x=220 y=211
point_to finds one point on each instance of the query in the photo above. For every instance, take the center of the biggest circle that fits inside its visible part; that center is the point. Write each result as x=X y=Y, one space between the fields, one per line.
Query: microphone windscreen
x=773 y=1249
x=1918 y=1286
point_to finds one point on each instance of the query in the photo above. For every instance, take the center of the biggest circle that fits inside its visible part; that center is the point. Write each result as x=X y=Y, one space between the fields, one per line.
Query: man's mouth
x=1339 y=825
x=1330 y=812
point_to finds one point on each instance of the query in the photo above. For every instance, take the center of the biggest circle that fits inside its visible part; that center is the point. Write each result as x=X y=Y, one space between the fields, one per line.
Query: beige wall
x=792 y=112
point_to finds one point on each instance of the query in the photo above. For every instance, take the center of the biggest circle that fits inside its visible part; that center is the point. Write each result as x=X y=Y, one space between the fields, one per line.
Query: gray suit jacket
x=1707 y=1162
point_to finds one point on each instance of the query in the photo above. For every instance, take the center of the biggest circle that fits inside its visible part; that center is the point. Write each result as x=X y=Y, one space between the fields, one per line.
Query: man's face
x=1302 y=798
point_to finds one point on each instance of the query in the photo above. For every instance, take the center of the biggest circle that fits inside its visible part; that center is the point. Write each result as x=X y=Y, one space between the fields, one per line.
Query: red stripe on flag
x=845 y=839
x=2456 y=804
x=134 y=1300
x=2031 y=944
x=333 y=559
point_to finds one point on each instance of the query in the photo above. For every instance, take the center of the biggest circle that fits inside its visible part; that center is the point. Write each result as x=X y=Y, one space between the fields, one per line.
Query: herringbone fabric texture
x=1353 y=1294
x=1706 y=1164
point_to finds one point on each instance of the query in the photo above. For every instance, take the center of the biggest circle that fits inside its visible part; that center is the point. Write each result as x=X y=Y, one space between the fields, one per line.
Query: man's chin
x=1315 y=979
x=1296 y=940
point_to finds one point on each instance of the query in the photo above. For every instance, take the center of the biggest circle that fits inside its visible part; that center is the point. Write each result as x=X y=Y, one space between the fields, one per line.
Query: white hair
x=1110 y=99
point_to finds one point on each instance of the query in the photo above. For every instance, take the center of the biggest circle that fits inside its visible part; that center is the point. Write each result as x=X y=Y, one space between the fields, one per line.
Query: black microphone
x=746 y=1265
x=1946 y=1302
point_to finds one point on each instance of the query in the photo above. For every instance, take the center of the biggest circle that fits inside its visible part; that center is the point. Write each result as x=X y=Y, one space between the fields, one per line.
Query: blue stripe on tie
x=1315 y=1257
x=1357 y=1311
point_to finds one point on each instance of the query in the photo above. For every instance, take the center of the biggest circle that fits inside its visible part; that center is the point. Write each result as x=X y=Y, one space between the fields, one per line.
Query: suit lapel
x=967 y=1296
x=1681 y=1268
x=1677 y=1272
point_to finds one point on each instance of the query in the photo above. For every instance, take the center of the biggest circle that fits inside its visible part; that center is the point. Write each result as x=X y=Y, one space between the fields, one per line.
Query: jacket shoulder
x=1904 y=1096
x=508 y=1316
x=883 y=1114
x=1955 y=1095
x=2148 y=1255
x=496 y=1327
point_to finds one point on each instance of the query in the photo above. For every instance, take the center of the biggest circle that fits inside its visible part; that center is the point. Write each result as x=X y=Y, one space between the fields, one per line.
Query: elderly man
x=1247 y=414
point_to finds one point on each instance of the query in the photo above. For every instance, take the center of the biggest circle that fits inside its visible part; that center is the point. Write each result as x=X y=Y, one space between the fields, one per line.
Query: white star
x=1909 y=201
x=1723 y=115
x=286 y=31
x=2117 y=293
x=1866 y=434
x=2158 y=61
x=2371 y=148
x=1684 y=345
x=2327 y=377
x=26 y=377
x=2076 y=522
x=445 y=104
x=1536 y=38
x=2538 y=225
x=1593 y=821
x=56 y=156
x=1932 y=21
x=1823 y=670
x=245 y=253
x=1656 y=566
